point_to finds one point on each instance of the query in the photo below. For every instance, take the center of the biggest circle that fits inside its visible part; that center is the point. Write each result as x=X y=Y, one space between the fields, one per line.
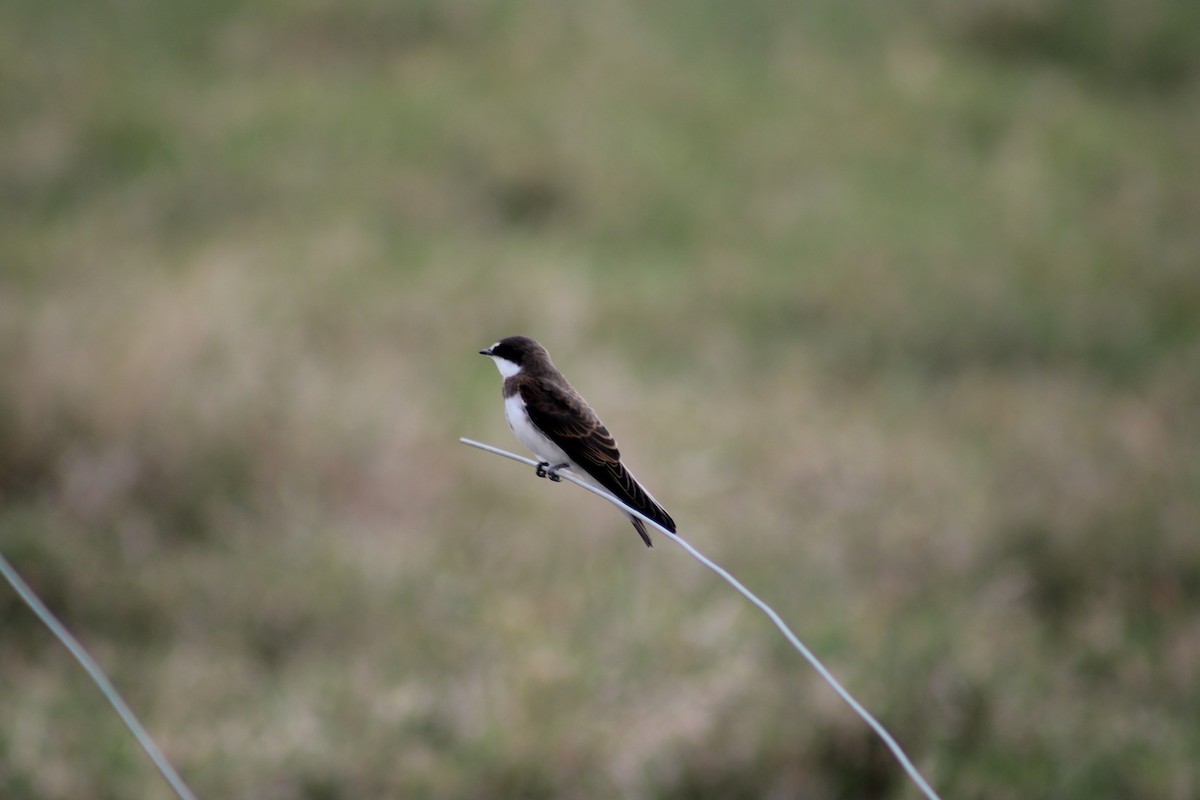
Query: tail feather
x=640 y=527
x=620 y=481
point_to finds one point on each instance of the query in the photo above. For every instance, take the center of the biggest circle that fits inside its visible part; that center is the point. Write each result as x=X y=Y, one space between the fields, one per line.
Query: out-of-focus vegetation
x=896 y=308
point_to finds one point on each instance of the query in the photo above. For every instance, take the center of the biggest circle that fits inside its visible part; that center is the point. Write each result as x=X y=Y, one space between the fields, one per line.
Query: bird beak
x=486 y=352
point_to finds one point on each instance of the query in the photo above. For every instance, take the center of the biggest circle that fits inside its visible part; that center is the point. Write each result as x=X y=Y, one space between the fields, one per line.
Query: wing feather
x=567 y=419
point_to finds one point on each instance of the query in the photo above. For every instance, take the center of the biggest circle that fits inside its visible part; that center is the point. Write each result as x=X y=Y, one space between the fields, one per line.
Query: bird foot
x=544 y=470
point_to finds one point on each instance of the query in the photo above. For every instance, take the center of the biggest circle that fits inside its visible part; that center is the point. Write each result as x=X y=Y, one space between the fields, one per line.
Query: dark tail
x=621 y=482
x=640 y=527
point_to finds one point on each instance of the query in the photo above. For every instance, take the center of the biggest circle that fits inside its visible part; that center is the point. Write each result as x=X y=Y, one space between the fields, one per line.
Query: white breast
x=528 y=435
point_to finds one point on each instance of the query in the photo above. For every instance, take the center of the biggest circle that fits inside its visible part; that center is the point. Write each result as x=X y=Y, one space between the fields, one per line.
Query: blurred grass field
x=896 y=310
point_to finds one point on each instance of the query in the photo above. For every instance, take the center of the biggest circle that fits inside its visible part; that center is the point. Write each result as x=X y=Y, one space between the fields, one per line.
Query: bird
x=557 y=425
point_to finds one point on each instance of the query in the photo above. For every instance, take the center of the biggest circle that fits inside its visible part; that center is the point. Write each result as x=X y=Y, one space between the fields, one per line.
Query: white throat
x=507 y=368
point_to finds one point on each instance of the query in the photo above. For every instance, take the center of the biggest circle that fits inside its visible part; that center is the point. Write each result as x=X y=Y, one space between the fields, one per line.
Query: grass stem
x=858 y=708
x=98 y=677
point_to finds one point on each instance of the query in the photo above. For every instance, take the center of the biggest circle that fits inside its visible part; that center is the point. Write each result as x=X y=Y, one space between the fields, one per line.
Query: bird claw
x=544 y=470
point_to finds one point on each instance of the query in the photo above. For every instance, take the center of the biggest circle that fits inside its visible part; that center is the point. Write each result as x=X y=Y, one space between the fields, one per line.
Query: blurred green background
x=895 y=307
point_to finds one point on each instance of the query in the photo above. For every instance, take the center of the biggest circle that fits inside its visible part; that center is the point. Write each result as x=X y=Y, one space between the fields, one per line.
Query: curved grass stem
x=841 y=691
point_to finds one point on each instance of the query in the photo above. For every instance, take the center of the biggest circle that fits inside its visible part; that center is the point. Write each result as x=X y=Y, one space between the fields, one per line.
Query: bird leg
x=541 y=468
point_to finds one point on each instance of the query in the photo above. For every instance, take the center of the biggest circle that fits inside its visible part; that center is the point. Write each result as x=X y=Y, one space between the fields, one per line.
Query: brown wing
x=570 y=422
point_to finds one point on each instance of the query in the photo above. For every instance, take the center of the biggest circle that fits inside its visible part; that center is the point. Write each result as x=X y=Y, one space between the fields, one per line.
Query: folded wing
x=570 y=422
